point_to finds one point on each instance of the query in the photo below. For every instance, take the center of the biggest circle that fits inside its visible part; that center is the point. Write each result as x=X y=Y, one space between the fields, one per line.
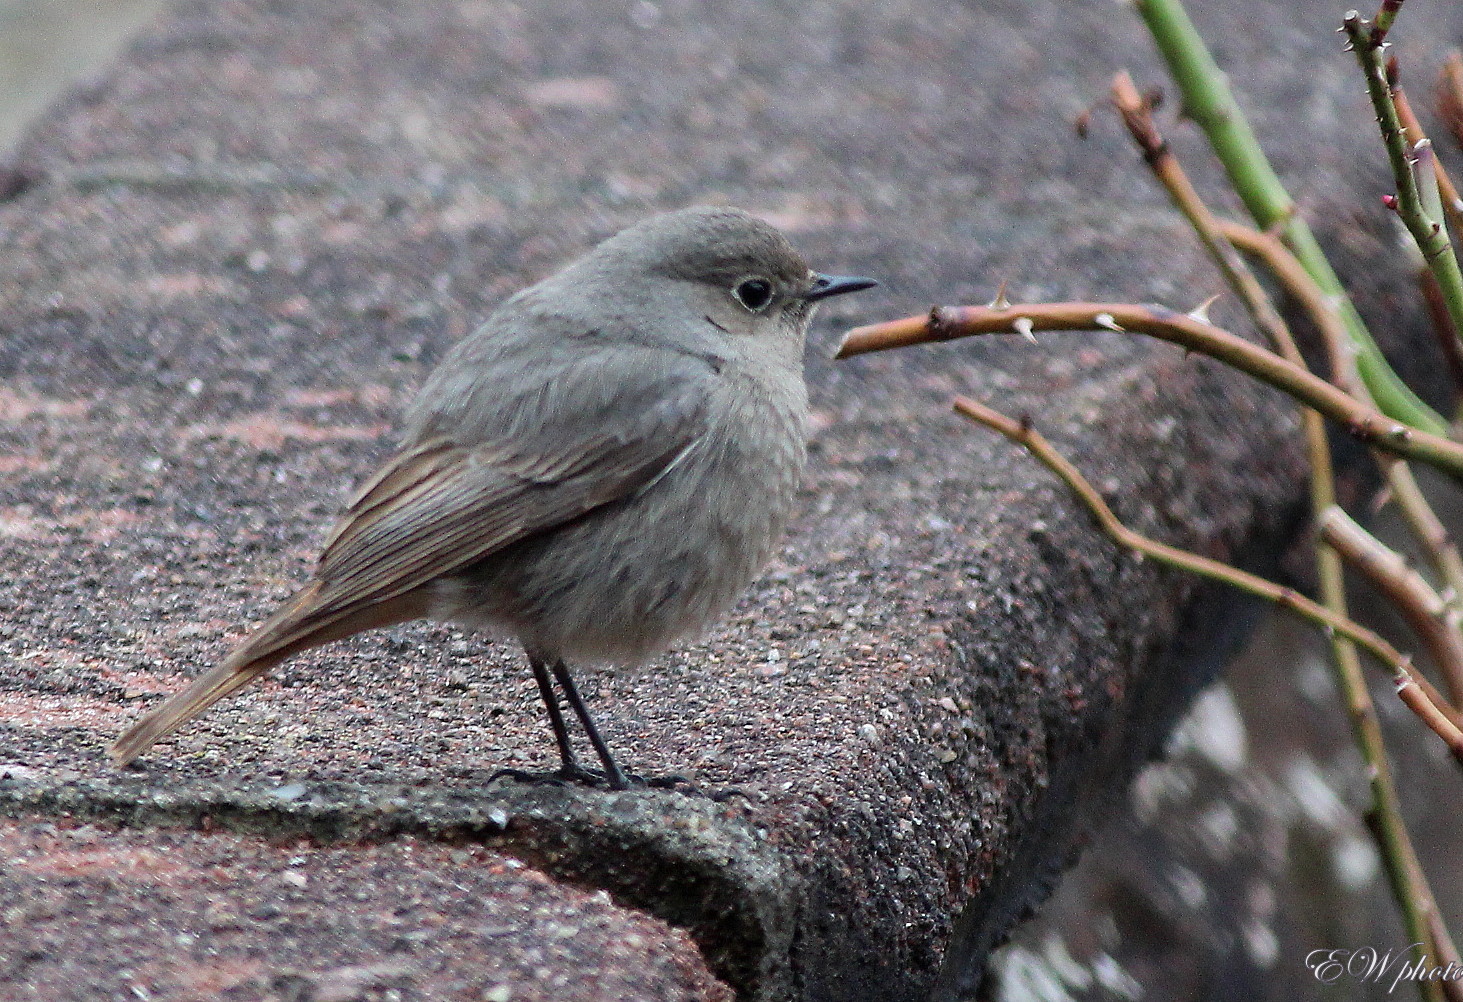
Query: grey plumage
x=598 y=470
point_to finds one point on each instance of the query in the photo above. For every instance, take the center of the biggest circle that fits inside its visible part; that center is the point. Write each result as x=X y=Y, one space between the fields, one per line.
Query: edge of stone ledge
x=688 y=862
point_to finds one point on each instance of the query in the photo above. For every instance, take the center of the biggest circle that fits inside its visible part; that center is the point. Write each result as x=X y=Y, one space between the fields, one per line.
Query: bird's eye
x=753 y=293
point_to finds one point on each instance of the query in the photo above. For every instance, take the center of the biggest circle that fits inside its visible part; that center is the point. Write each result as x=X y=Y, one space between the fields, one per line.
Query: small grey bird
x=599 y=470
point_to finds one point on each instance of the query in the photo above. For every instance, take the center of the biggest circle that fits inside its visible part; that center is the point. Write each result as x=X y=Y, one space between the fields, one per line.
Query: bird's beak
x=835 y=285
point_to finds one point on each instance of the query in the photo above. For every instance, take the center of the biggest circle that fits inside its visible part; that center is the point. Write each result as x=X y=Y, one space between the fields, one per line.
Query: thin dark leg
x=569 y=771
x=567 y=763
x=613 y=775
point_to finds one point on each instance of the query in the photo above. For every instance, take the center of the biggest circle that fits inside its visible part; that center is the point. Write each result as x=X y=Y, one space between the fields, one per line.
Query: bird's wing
x=440 y=507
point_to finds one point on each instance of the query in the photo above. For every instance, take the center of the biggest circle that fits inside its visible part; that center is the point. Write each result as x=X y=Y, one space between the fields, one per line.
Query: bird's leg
x=568 y=764
x=613 y=775
x=569 y=768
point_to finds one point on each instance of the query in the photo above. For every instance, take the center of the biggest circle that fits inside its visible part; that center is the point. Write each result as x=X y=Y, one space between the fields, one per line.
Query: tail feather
x=295 y=628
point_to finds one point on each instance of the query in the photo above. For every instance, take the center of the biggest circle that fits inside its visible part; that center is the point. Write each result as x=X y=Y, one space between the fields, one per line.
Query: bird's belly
x=630 y=578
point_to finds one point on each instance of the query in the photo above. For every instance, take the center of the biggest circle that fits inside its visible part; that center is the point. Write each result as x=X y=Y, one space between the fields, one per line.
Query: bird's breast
x=630 y=578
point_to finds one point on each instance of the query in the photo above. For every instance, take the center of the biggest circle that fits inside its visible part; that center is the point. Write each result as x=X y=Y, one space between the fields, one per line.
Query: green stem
x=1209 y=101
x=1413 y=169
x=1382 y=23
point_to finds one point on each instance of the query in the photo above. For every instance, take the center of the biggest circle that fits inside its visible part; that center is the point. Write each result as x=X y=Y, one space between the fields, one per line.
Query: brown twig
x=1413 y=597
x=1209 y=101
x=1296 y=281
x=1136 y=111
x=1450 y=94
x=1412 y=129
x=1436 y=542
x=1444 y=333
x=1404 y=870
x=1366 y=423
x=1409 y=687
x=1429 y=531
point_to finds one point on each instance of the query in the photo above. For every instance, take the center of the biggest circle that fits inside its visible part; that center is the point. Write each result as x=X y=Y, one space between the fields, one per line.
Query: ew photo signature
x=1368 y=965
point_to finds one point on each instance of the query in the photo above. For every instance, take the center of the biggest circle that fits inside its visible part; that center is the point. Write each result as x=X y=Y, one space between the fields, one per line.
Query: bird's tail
x=295 y=628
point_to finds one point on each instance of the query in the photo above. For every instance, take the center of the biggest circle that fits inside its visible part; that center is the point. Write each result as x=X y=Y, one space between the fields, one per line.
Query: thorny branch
x=1413 y=690
x=1417 y=601
x=946 y=323
x=1433 y=537
x=1209 y=101
x=1418 y=201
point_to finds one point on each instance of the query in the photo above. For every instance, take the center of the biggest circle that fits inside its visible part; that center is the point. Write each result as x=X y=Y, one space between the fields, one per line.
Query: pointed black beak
x=835 y=285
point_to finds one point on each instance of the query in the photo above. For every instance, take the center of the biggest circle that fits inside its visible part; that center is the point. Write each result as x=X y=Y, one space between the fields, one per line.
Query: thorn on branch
x=1419 y=151
x=1201 y=312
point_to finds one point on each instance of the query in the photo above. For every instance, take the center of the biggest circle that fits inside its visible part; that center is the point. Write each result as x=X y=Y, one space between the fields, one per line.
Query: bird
x=598 y=470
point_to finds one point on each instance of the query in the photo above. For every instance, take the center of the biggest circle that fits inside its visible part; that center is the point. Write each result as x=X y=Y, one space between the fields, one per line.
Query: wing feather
x=440 y=507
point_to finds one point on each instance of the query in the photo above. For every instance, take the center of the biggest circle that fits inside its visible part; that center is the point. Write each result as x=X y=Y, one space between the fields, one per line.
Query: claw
x=559 y=777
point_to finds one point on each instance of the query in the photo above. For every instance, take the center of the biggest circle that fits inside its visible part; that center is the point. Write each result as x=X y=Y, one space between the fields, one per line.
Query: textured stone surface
x=92 y=913
x=225 y=267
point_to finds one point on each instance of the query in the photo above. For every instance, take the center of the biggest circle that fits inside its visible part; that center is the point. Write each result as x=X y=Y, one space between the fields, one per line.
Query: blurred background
x=48 y=45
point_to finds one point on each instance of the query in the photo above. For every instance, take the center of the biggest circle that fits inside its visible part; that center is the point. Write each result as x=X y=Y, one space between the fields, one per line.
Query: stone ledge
x=695 y=864
x=174 y=914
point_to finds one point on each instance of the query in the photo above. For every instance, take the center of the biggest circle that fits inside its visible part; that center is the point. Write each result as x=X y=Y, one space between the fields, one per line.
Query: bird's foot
x=578 y=775
x=672 y=781
x=688 y=786
x=565 y=775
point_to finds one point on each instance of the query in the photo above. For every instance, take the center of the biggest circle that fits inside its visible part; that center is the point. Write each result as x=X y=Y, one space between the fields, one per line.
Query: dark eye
x=753 y=293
